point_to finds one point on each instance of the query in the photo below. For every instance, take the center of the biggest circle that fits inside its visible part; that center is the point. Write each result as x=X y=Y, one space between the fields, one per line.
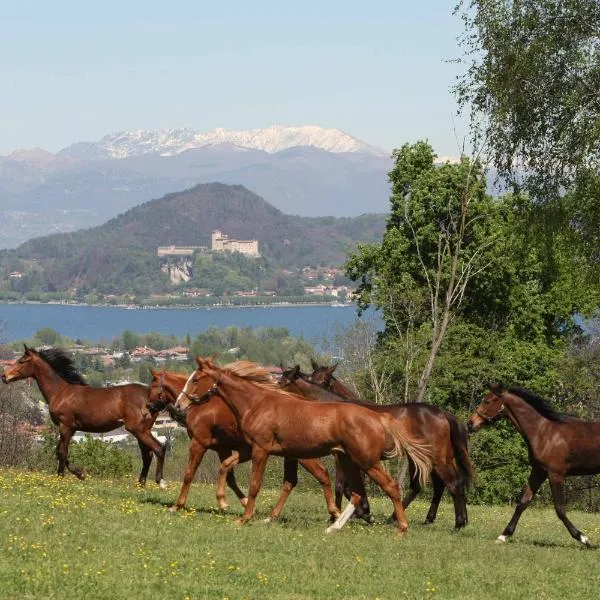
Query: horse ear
x=331 y=369
x=497 y=388
x=313 y=364
x=296 y=371
x=153 y=372
x=26 y=348
x=200 y=361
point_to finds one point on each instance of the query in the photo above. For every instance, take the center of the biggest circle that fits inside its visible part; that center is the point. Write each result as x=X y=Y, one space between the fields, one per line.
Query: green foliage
x=270 y=346
x=97 y=458
x=531 y=83
x=225 y=273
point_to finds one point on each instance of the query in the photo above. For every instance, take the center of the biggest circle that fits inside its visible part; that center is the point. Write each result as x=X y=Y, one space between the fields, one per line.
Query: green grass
x=100 y=539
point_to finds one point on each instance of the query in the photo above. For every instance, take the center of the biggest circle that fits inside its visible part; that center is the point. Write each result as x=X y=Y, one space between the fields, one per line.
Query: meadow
x=109 y=539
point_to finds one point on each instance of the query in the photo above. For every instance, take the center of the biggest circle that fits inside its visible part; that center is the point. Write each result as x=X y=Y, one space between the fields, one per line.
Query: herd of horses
x=245 y=413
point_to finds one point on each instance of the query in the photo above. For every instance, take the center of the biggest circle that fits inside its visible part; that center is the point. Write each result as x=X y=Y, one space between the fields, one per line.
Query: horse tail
x=406 y=443
x=459 y=438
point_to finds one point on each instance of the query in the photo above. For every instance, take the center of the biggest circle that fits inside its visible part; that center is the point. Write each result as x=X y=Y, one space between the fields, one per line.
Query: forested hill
x=126 y=245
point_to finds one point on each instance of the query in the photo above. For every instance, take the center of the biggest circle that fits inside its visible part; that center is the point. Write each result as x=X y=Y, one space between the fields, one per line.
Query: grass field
x=98 y=539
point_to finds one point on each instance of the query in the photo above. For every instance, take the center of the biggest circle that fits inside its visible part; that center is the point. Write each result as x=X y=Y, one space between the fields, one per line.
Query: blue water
x=96 y=323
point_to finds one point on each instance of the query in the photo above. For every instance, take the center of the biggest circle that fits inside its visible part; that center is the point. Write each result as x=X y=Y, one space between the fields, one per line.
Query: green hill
x=120 y=256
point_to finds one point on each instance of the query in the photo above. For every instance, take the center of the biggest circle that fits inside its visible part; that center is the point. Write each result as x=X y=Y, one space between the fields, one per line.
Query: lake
x=95 y=323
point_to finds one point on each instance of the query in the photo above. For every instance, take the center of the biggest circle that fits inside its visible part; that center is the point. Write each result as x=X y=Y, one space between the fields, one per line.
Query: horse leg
x=62 y=452
x=557 y=485
x=159 y=450
x=413 y=490
x=319 y=472
x=354 y=482
x=391 y=488
x=438 y=491
x=339 y=482
x=536 y=478
x=197 y=451
x=290 y=481
x=259 y=463
x=456 y=486
x=146 y=461
x=226 y=475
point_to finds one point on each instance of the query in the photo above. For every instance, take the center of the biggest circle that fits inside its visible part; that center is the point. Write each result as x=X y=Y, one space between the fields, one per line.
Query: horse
x=323 y=375
x=447 y=437
x=276 y=422
x=559 y=446
x=212 y=425
x=76 y=406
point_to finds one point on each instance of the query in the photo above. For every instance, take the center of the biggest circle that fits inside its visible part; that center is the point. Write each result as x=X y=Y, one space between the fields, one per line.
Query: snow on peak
x=168 y=142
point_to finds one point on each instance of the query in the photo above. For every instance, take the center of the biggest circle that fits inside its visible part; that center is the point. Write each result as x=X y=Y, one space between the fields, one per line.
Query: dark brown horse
x=212 y=425
x=75 y=406
x=323 y=375
x=277 y=422
x=559 y=446
x=447 y=437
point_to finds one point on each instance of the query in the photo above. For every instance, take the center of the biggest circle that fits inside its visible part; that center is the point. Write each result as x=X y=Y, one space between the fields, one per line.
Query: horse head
x=23 y=368
x=489 y=410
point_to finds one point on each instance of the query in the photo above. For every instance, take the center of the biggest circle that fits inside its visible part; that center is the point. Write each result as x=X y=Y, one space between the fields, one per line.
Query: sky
x=378 y=70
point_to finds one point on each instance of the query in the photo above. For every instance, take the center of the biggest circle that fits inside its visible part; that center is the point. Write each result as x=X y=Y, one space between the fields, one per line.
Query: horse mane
x=540 y=404
x=63 y=364
x=256 y=374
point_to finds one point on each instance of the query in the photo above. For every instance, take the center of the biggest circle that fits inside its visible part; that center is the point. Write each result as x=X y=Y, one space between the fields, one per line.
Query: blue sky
x=75 y=71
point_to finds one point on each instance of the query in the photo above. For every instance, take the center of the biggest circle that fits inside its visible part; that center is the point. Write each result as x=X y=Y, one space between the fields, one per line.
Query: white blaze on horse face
x=184 y=391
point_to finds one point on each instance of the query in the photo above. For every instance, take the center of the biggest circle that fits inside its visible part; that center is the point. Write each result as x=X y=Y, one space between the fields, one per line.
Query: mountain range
x=307 y=171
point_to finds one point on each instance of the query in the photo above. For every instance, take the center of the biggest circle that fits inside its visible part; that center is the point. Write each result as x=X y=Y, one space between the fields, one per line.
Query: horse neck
x=48 y=380
x=236 y=393
x=523 y=416
x=318 y=392
x=341 y=390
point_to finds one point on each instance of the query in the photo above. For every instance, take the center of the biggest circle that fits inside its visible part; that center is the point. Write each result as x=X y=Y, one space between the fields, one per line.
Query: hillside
x=121 y=254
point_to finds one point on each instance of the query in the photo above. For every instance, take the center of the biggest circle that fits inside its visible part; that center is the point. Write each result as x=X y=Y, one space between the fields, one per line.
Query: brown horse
x=559 y=446
x=277 y=422
x=451 y=466
x=212 y=425
x=75 y=406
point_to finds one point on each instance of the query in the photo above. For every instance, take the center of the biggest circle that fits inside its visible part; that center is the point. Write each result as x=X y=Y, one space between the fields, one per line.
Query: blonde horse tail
x=406 y=443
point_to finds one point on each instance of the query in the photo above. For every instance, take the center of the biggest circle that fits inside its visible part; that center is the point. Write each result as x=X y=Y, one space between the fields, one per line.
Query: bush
x=96 y=457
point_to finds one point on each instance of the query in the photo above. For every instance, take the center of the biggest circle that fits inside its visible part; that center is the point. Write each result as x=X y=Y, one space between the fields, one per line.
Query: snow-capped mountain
x=169 y=142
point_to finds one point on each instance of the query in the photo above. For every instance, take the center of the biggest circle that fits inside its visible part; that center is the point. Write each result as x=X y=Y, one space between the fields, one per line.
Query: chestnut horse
x=212 y=425
x=559 y=446
x=277 y=422
x=447 y=437
x=75 y=406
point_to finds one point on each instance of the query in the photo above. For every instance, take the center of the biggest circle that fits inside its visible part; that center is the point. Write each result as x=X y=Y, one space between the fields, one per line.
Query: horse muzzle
x=5 y=379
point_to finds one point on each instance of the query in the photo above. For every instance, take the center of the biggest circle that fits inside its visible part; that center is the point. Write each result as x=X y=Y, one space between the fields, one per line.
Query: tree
x=532 y=84
x=440 y=235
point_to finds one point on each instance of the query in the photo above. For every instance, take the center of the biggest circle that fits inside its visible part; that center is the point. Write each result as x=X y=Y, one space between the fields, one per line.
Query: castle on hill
x=219 y=243
x=223 y=243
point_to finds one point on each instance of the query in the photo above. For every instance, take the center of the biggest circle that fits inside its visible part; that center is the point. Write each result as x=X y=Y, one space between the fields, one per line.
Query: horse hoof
x=223 y=507
x=333 y=529
x=585 y=540
x=162 y=484
x=241 y=521
x=243 y=501
x=174 y=508
x=268 y=520
x=501 y=539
